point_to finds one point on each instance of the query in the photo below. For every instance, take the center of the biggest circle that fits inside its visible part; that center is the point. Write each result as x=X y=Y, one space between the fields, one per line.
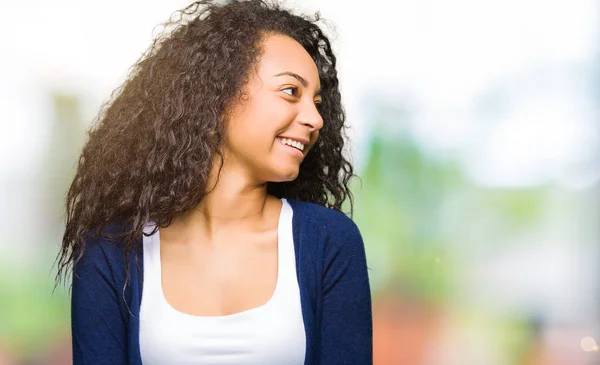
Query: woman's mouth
x=292 y=143
x=292 y=146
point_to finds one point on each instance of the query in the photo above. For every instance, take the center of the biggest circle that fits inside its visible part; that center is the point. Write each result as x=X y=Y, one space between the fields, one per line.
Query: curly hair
x=149 y=151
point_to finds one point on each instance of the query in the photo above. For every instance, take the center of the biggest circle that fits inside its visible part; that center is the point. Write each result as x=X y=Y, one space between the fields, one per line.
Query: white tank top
x=272 y=334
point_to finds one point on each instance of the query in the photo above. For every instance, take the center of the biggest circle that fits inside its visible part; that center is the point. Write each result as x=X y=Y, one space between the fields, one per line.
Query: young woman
x=203 y=223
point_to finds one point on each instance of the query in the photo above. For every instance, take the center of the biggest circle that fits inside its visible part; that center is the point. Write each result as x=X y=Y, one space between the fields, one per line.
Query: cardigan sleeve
x=99 y=332
x=346 y=327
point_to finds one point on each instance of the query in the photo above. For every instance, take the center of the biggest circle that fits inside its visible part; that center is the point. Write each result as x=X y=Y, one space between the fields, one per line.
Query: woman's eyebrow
x=294 y=75
x=299 y=78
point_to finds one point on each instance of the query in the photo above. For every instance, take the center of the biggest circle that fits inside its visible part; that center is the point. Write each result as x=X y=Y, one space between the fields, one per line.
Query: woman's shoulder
x=322 y=216
x=325 y=227
x=105 y=247
x=331 y=237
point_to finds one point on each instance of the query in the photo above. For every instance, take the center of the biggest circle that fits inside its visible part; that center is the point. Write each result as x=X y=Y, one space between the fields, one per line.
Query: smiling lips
x=293 y=143
x=294 y=146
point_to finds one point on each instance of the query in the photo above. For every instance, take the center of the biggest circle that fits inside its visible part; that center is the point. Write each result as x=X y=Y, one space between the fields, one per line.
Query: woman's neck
x=234 y=202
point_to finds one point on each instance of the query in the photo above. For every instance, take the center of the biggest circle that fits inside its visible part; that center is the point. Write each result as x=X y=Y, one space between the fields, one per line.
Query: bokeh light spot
x=588 y=344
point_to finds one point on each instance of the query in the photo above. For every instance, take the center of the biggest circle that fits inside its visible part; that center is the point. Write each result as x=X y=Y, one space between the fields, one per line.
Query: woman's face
x=270 y=132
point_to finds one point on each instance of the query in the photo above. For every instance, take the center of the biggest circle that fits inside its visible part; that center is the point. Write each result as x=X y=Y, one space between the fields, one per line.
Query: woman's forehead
x=282 y=54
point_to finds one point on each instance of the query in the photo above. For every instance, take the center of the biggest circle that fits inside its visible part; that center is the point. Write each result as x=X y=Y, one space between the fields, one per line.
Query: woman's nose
x=311 y=117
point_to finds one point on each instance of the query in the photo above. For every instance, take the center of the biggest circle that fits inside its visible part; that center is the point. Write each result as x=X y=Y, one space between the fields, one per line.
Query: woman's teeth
x=291 y=142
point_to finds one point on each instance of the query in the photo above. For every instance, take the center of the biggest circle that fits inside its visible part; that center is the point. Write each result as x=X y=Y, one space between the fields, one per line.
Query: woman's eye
x=292 y=91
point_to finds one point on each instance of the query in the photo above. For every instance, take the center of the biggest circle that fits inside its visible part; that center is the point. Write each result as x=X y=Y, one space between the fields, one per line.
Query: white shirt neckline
x=283 y=214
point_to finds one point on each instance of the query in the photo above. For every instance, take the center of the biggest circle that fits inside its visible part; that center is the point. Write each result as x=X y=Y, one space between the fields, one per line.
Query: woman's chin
x=285 y=175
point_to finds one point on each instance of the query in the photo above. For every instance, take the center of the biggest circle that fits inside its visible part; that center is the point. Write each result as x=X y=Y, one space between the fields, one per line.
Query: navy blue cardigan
x=332 y=276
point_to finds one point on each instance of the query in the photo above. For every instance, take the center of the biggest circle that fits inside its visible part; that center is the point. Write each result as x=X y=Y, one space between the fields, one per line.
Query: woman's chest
x=234 y=278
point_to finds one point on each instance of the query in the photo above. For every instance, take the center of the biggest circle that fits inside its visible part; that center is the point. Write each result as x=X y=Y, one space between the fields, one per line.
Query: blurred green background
x=475 y=134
